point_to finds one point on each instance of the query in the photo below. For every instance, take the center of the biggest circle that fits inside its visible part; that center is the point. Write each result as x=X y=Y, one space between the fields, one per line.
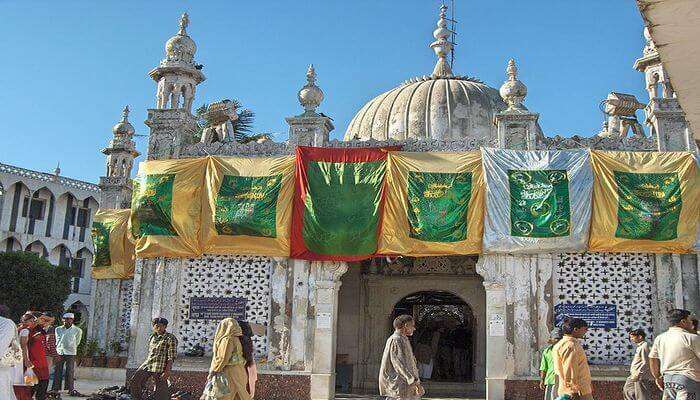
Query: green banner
x=649 y=205
x=438 y=205
x=152 y=206
x=341 y=210
x=539 y=204
x=247 y=205
x=100 y=243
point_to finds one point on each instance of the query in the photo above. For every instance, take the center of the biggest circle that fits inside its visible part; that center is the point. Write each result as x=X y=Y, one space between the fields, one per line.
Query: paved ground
x=88 y=387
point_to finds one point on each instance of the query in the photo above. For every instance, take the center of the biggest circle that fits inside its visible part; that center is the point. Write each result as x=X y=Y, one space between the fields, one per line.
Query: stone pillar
x=517 y=129
x=170 y=130
x=115 y=192
x=279 y=328
x=496 y=345
x=156 y=294
x=668 y=124
x=309 y=130
x=327 y=284
x=105 y=300
x=299 y=333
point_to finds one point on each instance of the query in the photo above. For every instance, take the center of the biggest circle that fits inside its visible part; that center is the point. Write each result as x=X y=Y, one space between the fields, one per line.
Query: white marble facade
x=315 y=310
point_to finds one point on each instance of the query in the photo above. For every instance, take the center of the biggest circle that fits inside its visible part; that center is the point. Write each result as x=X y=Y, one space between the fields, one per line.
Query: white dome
x=447 y=107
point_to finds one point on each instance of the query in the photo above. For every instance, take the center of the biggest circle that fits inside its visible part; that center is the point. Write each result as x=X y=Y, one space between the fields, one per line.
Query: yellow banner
x=113 y=245
x=434 y=204
x=248 y=205
x=166 y=208
x=644 y=202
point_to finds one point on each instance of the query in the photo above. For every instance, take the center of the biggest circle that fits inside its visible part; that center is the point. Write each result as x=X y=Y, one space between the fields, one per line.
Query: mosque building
x=324 y=324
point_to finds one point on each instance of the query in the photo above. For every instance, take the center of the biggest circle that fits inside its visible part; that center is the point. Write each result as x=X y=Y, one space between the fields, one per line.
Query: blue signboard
x=217 y=308
x=597 y=315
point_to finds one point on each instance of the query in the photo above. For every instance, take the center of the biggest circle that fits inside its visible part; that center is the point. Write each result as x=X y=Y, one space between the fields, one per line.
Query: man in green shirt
x=548 y=378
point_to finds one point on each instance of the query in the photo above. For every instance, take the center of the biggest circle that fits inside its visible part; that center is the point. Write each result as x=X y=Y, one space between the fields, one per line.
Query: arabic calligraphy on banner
x=539 y=203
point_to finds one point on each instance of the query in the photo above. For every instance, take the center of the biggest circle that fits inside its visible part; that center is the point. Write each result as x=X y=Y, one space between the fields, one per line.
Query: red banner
x=338 y=203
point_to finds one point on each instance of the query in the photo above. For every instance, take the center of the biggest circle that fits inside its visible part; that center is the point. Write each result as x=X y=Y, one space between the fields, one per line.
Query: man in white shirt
x=675 y=358
x=640 y=383
x=68 y=338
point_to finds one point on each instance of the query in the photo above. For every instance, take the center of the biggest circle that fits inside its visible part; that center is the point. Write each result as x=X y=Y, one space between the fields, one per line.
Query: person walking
x=37 y=354
x=398 y=373
x=10 y=356
x=162 y=350
x=570 y=362
x=229 y=359
x=27 y=322
x=548 y=377
x=249 y=355
x=426 y=349
x=640 y=383
x=674 y=358
x=68 y=337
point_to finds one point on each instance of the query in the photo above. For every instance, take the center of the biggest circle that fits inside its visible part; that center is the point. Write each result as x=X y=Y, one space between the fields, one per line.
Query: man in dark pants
x=68 y=337
x=162 y=349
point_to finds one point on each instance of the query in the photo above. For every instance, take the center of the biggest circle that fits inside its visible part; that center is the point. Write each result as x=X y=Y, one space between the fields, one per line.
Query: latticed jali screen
x=625 y=280
x=224 y=276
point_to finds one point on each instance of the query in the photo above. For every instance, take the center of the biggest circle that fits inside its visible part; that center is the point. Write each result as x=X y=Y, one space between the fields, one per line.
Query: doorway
x=443 y=342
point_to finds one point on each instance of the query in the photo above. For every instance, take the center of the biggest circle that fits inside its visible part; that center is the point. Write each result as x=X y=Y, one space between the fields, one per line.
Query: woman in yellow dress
x=228 y=359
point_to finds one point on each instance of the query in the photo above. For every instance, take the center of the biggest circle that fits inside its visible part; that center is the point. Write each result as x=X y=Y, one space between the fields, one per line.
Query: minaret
x=517 y=127
x=116 y=185
x=177 y=75
x=309 y=128
x=664 y=115
x=442 y=46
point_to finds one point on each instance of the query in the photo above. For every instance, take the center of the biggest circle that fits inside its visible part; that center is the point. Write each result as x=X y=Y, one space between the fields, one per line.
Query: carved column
x=496 y=344
x=496 y=322
x=327 y=282
x=156 y=294
x=170 y=131
x=105 y=300
x=298 y=336
x=668 y=125
x=517 y=129
x=309 y=130
x=115 y=192
x=279 y=329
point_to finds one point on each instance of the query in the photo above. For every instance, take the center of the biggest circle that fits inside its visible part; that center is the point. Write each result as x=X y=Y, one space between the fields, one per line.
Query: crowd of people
x=232 y=374
x=671 y=364
x=34 y=351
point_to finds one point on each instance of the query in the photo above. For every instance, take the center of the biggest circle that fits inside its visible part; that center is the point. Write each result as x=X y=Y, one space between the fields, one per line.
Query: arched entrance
x=439 y=291
x=444 y=336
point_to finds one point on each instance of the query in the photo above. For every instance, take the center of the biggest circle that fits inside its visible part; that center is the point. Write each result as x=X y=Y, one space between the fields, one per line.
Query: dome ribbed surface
x=430 y=108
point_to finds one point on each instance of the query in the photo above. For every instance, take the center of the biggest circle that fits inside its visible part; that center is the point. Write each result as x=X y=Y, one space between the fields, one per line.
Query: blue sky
x=69 y=67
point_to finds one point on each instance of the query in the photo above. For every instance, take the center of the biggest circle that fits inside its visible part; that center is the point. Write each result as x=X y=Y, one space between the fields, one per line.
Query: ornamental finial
x=184 y=22
x=125 y=114
x=512 y=70
x=311 y=74
x=513 y=91
x=310 y=96
x=442 y=46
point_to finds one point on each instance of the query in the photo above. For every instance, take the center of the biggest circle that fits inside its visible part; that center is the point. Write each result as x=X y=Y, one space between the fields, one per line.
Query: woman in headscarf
x=228 y=359
x=249 y=355
x=9 y=342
